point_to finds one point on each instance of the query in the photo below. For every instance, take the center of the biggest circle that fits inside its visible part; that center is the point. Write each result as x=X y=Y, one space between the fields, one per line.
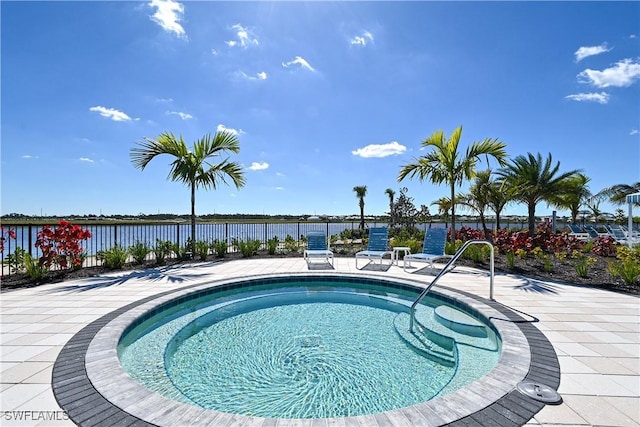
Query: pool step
x=433 y=345
x=460 y=322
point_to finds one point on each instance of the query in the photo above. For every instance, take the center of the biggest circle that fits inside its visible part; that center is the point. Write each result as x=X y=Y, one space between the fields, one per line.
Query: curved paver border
x=91 y=386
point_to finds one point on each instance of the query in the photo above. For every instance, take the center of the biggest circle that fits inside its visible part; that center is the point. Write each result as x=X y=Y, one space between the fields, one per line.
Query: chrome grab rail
x=445 y=269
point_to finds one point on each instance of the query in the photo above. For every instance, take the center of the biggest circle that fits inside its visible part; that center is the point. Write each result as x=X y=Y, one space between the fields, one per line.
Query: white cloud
x=362 y=39
x=168 y=15
x=280 y=174
x=183 y=116
x=621 y=74
x=165 y=100
x=586 y=51
x=633 y=132
x=214 y=52
x=300 y=61
x=223 y=128
x=279 y=188
x=633 y=36
x=258 y=166
x=111 y=113
x=380 y=150
x=601 y=97
x=29 y=156
x=245 y=37
x=259 y=76
x=86 y=160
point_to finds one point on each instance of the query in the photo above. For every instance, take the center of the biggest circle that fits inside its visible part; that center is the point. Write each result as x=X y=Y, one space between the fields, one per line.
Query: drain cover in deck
x=538 y=391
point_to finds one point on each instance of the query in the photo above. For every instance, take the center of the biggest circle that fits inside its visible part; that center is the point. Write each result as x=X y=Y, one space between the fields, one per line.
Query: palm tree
x=617 y=194
x=389 y=192
x=499 y=196
x=478 y=198
x=576 y=193
x=361 y=191
x=533 y=181
x=445 y=165
x=193 y=168
x=444 y=207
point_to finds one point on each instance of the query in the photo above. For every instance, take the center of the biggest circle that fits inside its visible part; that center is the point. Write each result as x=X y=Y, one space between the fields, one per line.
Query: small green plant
x=113 y=258
x=182 y=252
x=16 y=260
x=521 y=253
x=162 y=250
x=583 y=265
x=219 y=247
x=33 y=267
x=139 y=252
x=511 y=258
x=202 y=250
x=628 y=266
x=547 y=263
x=272 y=245
x=290 y=244
x=588 y=246
x=247 y=248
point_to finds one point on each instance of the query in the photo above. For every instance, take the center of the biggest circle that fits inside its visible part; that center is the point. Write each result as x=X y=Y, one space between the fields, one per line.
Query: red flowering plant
x=604 y=246
x=11 y=234
x=61 y=246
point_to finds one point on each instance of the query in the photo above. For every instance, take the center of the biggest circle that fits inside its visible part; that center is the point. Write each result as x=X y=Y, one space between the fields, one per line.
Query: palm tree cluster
x=528 y=179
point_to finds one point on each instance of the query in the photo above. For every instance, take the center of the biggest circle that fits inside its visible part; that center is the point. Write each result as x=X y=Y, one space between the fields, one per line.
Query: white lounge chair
x=433 y=247
x=377 y=248
x=317 y=247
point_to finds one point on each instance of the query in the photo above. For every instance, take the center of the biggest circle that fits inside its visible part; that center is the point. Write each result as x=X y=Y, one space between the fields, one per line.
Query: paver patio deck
x=595 y=333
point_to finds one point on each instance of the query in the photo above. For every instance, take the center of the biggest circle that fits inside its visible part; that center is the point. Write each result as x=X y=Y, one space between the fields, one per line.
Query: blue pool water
x=303 y=350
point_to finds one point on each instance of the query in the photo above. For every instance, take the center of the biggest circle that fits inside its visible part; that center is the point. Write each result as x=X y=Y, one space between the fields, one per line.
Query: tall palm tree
x=533 y=181
x=193 y=168
x=361 y=191
x=576 y=193
x=477 y=199
x=389 y=192
x=446 y=165
x=617 y=194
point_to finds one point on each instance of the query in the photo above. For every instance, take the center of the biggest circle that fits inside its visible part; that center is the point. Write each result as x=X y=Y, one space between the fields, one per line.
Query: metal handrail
x=446 y=268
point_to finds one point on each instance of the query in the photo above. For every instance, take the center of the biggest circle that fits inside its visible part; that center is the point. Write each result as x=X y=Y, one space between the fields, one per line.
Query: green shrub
x=139 y=252
x=247 y=248
x=272 y=245
x=290 y=244
x=511 y=258
x=182 y=252
x=162 y=250
x=16 y=260
x=628 y=266
x=33 y=267
x=583 y=264
x=113 y=258
x=219 y=247
x=202 y=250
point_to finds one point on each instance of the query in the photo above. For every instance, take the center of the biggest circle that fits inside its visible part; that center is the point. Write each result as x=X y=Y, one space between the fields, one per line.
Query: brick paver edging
x=85 y=406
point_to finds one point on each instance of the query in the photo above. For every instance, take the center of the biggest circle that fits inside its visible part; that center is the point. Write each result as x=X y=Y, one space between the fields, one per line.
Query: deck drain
x=538 y=391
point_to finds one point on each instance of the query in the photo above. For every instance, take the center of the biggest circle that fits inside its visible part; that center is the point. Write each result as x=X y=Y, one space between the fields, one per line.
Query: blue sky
x=324 y=96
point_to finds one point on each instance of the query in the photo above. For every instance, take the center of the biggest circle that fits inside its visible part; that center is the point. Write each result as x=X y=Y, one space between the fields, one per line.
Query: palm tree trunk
x=193 y=219
x=453 y=214
x=487 y=234
x=361 y=214
x=532 y=219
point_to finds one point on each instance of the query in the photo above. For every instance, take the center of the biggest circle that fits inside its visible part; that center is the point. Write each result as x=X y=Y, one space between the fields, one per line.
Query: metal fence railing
x=106 y=236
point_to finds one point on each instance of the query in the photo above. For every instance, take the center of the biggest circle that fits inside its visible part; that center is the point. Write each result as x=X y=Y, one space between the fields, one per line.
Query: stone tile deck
x=595 y=333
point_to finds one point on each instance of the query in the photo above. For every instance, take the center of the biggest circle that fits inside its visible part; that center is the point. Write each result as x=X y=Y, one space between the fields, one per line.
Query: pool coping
x=91 y=385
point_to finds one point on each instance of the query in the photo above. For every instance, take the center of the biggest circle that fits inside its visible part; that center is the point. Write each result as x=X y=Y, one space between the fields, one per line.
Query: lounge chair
x=618 y=233
x=317 y=247
x=377 y=248
x=592 y=231
x=432 y=249
x=578 y=232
